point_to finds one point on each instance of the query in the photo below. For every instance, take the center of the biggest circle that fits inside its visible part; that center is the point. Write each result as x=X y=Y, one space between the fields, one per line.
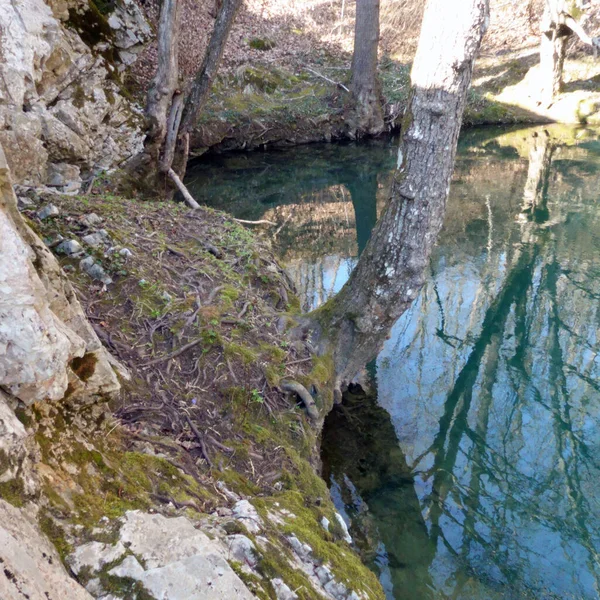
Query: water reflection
x=474 y=474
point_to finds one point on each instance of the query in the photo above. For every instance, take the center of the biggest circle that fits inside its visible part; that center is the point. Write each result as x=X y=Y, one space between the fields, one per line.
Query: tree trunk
x=553 y=47
x=170 y=115
x=164 y=84
x=367 y=116
x=391 y=270
x=203 y=81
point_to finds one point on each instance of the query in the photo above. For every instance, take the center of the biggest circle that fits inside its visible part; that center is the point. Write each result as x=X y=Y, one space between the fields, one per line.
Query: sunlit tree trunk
x=391 y=270
x=553 y=48
x=367 y=114
x=559 y=22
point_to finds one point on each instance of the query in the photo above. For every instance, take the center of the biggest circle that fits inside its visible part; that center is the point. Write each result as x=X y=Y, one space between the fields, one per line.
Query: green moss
x=13 y=492
x=79 y=97
x=253 y=583
x=246 y=354
x=261 y=44
x=345 y=564
x=24 y=416
x=56 y=534
x=229 y=293
x=237 y=482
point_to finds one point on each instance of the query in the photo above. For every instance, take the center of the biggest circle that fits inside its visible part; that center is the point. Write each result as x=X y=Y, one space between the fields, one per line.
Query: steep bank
x=194 y=311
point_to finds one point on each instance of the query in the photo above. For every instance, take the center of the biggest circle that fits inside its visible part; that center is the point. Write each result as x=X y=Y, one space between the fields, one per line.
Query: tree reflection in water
x=473 y=473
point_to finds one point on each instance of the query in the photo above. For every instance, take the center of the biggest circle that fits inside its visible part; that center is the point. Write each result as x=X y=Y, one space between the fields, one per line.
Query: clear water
x=472 y=468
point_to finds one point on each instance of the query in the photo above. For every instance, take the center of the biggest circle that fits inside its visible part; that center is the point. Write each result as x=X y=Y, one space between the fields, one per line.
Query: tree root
x=304 y=395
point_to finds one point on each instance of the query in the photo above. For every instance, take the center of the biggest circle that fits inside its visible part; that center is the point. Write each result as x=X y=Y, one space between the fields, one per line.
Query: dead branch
x=181 y=350
x=340 y=85
x=200 y=439
x=261 y=222
x=184 y=191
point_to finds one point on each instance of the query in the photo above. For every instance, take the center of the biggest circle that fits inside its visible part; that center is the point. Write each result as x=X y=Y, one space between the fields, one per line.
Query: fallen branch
x=184 y=191
x=340 y=85
x=181 y=350
x=261 y=222
x=304 y=395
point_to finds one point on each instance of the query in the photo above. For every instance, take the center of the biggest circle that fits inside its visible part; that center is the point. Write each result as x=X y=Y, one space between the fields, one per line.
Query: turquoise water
x=471 y=468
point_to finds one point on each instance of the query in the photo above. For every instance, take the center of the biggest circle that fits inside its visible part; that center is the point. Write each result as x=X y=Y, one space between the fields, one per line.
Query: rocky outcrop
x=48 y=349
x=60 y=98
x=31 y=568
x=168 y=558
x=46 y=342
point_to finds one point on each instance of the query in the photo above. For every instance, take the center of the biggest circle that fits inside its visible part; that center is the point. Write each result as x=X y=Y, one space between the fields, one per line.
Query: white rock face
x=58 y=104
x=246 y=514
x=42 y=325
x=30 y=565
x=179 y=561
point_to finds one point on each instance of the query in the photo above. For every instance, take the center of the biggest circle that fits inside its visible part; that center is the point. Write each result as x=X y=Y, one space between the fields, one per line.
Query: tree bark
x=164 y=84
x=203 y=81
x=391 y=270
x=553 y=48
x=559 y=22
x=367 y=115
x=171 y=115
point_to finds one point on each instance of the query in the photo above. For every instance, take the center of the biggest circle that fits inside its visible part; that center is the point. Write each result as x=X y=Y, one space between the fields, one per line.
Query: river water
x=471 y=468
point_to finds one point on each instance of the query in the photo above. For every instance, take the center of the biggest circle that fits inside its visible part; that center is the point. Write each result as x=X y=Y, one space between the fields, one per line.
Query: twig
x=219 y=445
x=213 y=294
x=243 y=311
x=301 y=360
x=184 y=191
x=340 y=85
x=172 y=355
x=200 y=441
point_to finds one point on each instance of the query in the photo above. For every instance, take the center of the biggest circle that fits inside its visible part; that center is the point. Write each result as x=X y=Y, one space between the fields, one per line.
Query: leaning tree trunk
x=391 y=270
x=170 y=113
x=553 y=48
x=367 y=114
x=198 y=94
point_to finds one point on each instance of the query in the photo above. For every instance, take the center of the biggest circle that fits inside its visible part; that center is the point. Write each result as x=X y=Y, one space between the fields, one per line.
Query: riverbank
x=197 y=311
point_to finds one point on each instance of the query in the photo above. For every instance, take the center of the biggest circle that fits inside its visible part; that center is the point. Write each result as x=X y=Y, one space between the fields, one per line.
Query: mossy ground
x=262 y=104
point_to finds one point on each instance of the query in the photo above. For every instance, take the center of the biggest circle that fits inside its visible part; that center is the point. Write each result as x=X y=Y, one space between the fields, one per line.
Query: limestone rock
x=69 y=247
x=31 y=568
x=50 y=210
x=246 y=514
x=282 y=590
x=42 y=325
x=176 y=560
x=94 y=555
x=58 y=102
x=62 y=174
x=94 y=270
x=242 y=550
x=130 y=568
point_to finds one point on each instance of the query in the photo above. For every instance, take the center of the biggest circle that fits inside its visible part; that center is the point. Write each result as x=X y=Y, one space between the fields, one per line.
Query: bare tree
x=171 y=112
x=559 y=22
x=367 y=114
x=353 y=325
